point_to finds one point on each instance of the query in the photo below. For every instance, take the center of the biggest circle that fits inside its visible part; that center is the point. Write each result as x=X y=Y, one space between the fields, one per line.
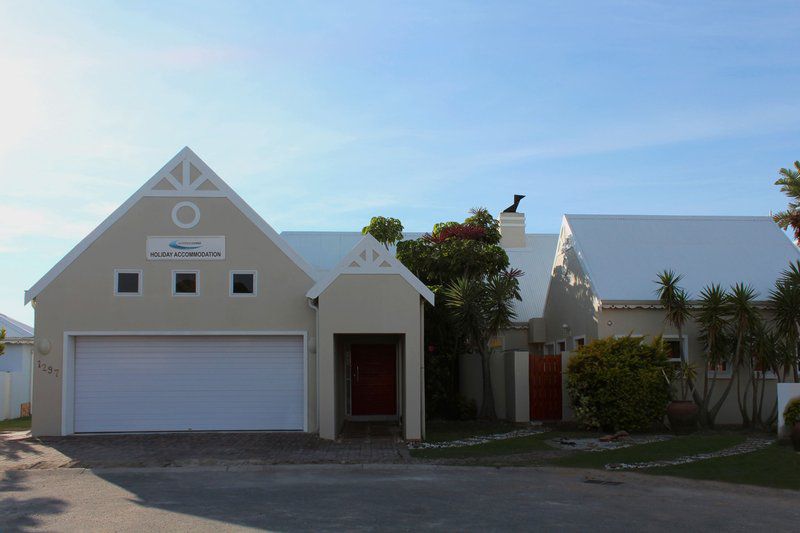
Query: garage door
x=180 y=383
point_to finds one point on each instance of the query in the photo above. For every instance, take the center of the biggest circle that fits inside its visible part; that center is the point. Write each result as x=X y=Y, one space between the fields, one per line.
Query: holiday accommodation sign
x=185 y=248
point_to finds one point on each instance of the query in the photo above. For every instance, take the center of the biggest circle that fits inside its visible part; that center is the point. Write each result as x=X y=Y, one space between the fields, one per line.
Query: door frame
x=349 y=382
x=68 y=364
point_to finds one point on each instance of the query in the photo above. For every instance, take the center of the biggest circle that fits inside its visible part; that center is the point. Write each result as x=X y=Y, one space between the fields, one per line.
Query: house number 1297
x=47 y=369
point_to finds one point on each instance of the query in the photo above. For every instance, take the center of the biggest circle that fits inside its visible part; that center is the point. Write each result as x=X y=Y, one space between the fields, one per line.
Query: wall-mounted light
x=43 y=346
x=609 y=323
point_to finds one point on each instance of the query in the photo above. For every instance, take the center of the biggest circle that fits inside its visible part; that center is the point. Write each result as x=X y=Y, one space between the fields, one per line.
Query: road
x=380 y=497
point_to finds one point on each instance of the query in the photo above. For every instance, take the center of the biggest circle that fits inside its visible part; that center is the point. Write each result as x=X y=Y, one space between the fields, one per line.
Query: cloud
x=25 y=227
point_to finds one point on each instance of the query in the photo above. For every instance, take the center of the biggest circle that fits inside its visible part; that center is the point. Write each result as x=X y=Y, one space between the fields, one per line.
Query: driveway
x=382 y=497
x=20 y=451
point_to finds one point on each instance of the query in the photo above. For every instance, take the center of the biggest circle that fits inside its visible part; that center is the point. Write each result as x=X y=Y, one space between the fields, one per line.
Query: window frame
x=138 y=271
x=560 y=341
x=196 y=283
x=720 y=374
x=549 y=348
x=243 y=294
x=576 y=339
x=685 y=346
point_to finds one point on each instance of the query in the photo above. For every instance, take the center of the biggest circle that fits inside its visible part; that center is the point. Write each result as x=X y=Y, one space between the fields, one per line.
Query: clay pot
x=796 y=436
x=682 y=416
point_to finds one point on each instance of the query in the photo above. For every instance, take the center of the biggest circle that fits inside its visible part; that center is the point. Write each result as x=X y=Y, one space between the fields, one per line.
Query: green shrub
x=619 y=383
x=791 y=415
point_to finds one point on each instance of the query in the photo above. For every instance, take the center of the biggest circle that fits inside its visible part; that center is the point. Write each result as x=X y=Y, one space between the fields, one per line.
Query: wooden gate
x=545 y=387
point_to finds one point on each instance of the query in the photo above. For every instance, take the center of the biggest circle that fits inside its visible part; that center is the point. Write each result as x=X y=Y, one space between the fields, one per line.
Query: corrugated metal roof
x=624 y=254
x=536 y=260
x=14 y=328
x=324 y=250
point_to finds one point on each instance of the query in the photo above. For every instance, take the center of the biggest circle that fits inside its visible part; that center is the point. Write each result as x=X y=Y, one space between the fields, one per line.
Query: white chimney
x=512 y=230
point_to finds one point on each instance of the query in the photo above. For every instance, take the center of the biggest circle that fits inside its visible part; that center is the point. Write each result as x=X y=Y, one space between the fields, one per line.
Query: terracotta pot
x=682 y=416
x=796 y=436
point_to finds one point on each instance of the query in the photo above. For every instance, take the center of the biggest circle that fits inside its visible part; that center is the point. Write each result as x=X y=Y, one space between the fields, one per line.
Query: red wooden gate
x=545 y=387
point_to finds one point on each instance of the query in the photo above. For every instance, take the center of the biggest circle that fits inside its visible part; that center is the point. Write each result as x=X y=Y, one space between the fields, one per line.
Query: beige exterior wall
x=570 y=298
x=82 y=297
x=650 y=322
x=370 y=304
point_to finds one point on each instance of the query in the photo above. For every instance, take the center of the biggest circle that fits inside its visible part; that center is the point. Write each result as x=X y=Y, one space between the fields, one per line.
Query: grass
x=488 y=449
x=655 y=451
x=445 y=430
x=776 y=466
x=16 y=424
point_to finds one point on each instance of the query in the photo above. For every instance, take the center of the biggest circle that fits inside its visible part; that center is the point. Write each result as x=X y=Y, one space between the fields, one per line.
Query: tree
x=712 y=317
x=450 y=251
x=2 y=338
x=482 y=307
x=790 y=185
x=676 y=313
x=386 y=230
x=745 y=321
x=785 y=306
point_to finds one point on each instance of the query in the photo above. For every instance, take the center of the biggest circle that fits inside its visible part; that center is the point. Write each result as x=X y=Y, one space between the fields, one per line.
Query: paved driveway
x=20 y=451
x=382 y=497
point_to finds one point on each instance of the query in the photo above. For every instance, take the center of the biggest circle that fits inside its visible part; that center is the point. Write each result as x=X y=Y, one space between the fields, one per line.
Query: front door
x=373 y=378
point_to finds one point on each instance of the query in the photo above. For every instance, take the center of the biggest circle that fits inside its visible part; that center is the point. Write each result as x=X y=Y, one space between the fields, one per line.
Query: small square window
x=243 y=283
x=562 y=346
x=184 y=283
x=127 y=282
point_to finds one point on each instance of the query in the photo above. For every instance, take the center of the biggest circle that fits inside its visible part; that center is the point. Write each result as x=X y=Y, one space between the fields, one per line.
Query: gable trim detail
x=186 y=163
x=369 y=256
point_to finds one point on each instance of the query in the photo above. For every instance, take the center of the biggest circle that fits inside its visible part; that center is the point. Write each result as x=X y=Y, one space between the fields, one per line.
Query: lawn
x=775 y=466
x=496 y=448
x=16 y=424
x=445 y=430
x=655 y=451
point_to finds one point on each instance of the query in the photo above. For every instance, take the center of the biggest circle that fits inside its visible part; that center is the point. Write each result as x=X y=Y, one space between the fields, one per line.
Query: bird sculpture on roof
x=513 y=207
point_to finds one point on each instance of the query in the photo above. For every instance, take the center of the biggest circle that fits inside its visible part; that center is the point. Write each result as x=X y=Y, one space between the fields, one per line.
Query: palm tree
x=745 y=320
x=790 y=185
x=785 y=305
x=712 y=317
x=676 y=313
x=482 y=307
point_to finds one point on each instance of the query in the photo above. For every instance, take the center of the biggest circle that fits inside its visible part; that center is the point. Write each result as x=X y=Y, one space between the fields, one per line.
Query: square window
x=674 y=350
x=184 y=283
x=243 y=283
x=127 y=282
x=562 y=346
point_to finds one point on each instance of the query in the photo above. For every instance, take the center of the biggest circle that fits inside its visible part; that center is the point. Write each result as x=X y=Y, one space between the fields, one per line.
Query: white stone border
x=750 y=445
x=472 y=441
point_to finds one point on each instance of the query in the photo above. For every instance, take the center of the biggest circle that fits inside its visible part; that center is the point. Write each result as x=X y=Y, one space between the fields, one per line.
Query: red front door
x=373 y=378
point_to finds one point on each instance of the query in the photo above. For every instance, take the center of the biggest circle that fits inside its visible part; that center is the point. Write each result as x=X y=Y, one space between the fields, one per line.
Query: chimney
x=512 y=225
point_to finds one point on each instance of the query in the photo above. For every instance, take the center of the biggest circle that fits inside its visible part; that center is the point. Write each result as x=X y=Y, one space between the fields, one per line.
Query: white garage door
x=179 y=383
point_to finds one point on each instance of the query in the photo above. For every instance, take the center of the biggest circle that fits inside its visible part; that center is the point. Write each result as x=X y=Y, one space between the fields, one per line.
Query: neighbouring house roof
x=325 y=249
x=369 y=256
x=623 y=254
x=16 y=331
x=185 y=175
x=536 y=261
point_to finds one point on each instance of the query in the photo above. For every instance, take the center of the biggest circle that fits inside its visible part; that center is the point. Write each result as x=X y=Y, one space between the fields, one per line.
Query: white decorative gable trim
x=369 y=256
x=184 y=176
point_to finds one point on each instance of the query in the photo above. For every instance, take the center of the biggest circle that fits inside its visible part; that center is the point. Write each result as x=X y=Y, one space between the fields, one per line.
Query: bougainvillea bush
x=619 y=383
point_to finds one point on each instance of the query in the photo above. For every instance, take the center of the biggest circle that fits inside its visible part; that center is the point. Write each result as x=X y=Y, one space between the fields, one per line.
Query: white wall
x=15 y=379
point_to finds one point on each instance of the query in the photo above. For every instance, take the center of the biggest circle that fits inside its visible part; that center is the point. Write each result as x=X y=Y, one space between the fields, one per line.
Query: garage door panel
x=189 y=383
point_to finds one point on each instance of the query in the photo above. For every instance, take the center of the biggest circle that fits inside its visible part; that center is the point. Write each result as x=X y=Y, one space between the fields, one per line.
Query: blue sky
x=322 y=115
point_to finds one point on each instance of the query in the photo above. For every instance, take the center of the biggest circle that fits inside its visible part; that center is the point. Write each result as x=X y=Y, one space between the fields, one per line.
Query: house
x=16 y=365
x=603 y=280
x=184 y=310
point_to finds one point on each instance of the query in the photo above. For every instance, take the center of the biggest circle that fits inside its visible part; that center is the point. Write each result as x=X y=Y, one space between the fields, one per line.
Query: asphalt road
x=403 y=497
